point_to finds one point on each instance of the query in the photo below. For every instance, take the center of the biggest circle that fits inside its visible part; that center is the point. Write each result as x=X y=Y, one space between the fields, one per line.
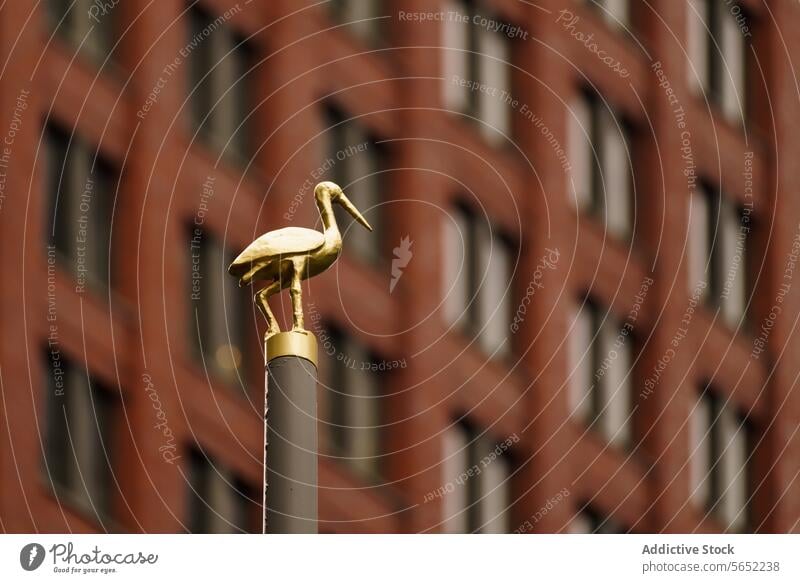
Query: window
x=357 y=162
x=79 y=444
x=600 y=385
x=219 y=502
x=589 y=521
x=457 y=271
x=601 y=175
x=220 y=66
x=699 y=241
x=475 y=54
x=716 y=47
x=217 y=309
x=353 y=396
x=615 y=12
x=719 y=451
x=718 y=259
x=91 y=25
x=364 y=19
x=475 y=481
x=476 y=279
x=81 y=187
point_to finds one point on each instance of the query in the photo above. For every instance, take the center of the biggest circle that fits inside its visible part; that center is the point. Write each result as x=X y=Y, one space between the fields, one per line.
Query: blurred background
x=576 y=312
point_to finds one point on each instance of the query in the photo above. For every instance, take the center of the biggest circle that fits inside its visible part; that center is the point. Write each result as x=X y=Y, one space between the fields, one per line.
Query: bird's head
x=333 y=192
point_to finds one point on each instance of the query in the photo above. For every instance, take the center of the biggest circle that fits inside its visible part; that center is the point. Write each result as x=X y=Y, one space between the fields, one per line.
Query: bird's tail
x=247 y=278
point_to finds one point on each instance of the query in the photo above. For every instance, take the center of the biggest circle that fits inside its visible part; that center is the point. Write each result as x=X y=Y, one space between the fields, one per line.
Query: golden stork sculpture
x=288 y=256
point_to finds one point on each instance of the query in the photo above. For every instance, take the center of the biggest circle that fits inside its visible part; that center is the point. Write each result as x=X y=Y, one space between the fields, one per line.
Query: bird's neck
x=328 y=220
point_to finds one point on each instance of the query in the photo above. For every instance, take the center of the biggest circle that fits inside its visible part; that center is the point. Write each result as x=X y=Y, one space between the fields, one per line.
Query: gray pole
x=290 y=434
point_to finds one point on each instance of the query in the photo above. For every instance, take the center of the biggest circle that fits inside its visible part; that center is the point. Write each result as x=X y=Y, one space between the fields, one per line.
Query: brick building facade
x=576 y=313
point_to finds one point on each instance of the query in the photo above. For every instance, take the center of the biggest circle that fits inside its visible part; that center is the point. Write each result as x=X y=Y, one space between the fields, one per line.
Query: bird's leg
x=296 y=292
x=261 y=301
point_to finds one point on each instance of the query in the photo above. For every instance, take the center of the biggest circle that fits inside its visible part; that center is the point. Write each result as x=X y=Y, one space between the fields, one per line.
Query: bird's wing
x=287 y=241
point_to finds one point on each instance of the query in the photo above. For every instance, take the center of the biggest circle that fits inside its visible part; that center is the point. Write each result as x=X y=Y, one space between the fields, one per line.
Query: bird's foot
x=299 y=329
x=271 y=332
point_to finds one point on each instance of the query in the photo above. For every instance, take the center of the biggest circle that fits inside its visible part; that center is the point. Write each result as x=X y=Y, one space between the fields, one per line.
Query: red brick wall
x=140 y=328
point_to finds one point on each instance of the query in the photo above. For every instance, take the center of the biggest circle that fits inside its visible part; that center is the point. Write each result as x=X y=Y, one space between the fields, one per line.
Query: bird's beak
x=348 y=206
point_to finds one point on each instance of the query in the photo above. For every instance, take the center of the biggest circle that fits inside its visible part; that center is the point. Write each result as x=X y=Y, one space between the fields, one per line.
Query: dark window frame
x=338 y=394
x=200 y=332
x=474 y=436
x=717 y=403
x=201 y=69
x=60 y=464
x=105 y=177
x=201 y=468
x=337 y=121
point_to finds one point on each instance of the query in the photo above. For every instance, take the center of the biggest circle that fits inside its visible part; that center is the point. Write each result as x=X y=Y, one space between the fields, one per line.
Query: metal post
x=283 y=259
x=290 y=434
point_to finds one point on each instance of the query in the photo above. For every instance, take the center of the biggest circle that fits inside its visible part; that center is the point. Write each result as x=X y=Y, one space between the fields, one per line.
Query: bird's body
x=262 y=259
x=287 y=256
